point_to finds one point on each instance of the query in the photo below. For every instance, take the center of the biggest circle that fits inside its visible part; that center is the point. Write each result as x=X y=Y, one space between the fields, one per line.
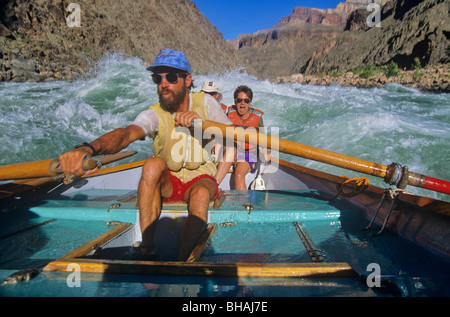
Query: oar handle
x=88 y=163
x=50 y=167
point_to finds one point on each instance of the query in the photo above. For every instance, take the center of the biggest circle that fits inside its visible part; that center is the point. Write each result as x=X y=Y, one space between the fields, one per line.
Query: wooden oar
x=393 y=174
x=50 y=167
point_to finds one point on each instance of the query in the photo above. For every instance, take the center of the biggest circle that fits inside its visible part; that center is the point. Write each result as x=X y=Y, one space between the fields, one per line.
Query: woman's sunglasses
x=172 y=78
x=246 y=100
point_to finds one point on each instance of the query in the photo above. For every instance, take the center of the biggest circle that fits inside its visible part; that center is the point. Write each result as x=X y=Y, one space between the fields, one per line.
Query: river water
x=382 y=125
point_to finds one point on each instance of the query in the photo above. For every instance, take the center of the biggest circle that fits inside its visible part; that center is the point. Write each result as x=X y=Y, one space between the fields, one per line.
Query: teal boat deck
x=276 y=226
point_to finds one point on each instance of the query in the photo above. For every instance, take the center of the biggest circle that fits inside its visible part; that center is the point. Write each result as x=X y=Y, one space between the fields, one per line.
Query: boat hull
x=291 y=239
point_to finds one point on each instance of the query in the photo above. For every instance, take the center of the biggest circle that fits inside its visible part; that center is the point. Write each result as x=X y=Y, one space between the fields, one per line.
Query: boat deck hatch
x=286 y=233
x=107 y=254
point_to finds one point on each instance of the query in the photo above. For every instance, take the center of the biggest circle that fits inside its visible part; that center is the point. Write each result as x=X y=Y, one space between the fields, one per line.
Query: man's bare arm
x=109 y=143
x=117 y=140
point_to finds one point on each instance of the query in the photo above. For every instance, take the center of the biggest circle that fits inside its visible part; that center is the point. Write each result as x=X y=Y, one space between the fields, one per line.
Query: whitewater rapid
x=382 y=125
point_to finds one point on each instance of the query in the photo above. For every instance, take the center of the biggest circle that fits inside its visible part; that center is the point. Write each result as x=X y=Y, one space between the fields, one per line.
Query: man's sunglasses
x=172 y=78
x=246 y=100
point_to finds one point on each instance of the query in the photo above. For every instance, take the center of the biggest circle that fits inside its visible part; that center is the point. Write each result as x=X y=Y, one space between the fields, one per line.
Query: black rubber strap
x=88 y=145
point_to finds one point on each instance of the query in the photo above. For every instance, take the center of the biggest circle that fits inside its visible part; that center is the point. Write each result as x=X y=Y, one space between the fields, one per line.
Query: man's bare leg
x=198 y=198
x=154 y=183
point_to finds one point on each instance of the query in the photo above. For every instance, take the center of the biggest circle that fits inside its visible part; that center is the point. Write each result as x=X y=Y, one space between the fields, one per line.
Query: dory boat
x=306 y=233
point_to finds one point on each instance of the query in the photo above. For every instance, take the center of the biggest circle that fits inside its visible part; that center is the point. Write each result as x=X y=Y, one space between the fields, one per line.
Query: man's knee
x=153 y=168
x=203 y=190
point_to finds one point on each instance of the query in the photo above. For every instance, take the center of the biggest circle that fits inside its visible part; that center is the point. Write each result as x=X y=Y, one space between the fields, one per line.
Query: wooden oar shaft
x=298 y=149
x=388 y=173
x=27 y=170
x=115 y=157
x=50 y=167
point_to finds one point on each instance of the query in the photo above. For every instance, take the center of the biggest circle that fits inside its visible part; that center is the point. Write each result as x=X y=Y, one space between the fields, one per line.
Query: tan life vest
x=183 y=153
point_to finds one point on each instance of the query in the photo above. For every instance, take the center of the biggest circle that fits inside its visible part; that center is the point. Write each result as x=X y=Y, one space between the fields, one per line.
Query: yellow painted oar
x=393 y=174
x=50 y=167
x=42 y=168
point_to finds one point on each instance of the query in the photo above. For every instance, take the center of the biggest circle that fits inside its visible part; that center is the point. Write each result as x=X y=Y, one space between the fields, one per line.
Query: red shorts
x=180 y=188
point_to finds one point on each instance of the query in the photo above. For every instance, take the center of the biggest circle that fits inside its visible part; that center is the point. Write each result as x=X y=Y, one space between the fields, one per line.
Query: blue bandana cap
x=171 y=58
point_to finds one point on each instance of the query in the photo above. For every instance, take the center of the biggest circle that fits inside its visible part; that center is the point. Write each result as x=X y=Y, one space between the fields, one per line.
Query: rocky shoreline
x=434 y=79
x=20 y=62
x=37 y=42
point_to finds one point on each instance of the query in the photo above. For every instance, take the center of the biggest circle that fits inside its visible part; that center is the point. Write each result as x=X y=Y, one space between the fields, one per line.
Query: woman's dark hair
x=245 y=89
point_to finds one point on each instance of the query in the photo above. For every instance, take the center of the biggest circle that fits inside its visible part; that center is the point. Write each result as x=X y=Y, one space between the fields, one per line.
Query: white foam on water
x=393 y=123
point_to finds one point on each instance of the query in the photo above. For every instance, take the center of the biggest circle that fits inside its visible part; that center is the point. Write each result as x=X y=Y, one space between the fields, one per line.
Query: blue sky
x=233 y=17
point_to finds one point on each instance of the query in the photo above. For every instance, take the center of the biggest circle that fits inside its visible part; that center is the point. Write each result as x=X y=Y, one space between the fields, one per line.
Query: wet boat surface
x=274 y=242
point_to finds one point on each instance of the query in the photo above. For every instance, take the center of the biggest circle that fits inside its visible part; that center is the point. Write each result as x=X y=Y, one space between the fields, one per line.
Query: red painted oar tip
x=438 y=185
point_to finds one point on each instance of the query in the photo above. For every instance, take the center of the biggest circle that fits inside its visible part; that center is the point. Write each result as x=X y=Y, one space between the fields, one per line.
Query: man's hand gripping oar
x=77 y=163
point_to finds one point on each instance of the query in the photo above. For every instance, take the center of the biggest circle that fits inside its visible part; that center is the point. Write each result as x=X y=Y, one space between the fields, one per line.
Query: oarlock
x=397 y=175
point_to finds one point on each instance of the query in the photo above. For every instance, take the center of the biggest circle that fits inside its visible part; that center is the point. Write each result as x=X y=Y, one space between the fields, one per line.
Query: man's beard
x=172 y=104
